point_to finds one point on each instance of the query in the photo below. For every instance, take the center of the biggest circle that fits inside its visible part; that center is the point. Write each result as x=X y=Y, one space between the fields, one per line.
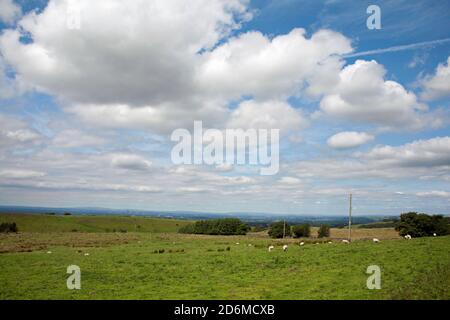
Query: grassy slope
x=48 y=223
x=325 y=271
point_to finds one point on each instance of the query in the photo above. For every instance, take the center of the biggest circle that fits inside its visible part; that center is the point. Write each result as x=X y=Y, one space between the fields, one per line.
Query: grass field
x=124 y=266
x=50 y=223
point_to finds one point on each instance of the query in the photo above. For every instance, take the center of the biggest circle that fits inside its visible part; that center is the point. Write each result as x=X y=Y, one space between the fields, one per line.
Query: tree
x=301 y=231
x=324 y=231
x=229 y=226
x=422 y=225
x=277 y=229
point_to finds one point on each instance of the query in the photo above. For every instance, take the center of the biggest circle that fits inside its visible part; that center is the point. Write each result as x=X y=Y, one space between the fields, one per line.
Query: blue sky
x=86 y=114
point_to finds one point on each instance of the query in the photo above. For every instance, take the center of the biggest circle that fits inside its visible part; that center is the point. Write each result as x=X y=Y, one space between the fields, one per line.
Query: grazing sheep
x=285 y=247
x=375 y=240
x=86 y=254
x=249 y=244
x=237 y=242
x=271 y=248
x=408 y=237
x=49 y=252
x=302 y=243
x=345 y=241
x=434 y=234
x=330 y=242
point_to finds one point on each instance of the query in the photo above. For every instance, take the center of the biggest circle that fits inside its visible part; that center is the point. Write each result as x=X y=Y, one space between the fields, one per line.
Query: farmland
x=125 y=266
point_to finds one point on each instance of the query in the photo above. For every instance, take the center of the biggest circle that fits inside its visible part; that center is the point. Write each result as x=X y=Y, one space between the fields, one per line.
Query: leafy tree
x=301 y=231
x=324 y=231
x=8 y=227
x=422 y=225
x=229 y=226
x=277 y=229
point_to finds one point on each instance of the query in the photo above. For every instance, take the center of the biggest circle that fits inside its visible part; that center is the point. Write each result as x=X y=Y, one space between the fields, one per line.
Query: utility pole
x=350 y=220
x=284 y=229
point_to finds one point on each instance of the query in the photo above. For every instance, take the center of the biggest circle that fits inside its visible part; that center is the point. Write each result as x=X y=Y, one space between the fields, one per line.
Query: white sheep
x=375 y=240
x=285 y=247
x=434 y=234
x=345 y=241
x=49 y=252
x=237 y=243
x=330 y=242
x=271 y=248
x=408 y=237
x=86 y=254
x=302 y=243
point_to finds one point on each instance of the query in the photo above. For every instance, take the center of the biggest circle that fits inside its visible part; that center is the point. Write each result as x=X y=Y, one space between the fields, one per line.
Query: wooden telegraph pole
x=284 y=229
x=350 y=220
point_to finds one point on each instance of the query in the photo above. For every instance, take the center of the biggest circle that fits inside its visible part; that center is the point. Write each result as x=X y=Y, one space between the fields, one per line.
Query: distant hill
x=86 y=223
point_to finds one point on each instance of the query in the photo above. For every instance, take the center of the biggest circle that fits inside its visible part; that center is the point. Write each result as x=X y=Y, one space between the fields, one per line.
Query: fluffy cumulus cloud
x=9 y=11
x=363 y=95
x=253 y=64
x=438 y=85
x=421 y=153
x=267 y=115
x=349 y=139
x=162 y=64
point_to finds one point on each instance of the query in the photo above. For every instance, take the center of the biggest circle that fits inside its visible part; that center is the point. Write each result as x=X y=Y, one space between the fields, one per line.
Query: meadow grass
x=200 y=267
x=86 y=223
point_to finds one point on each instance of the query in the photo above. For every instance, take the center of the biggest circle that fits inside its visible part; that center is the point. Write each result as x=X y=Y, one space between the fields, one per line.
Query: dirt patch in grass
x=28 y=242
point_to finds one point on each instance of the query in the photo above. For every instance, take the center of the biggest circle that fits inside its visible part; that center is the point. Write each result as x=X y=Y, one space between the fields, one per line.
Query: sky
x=91 y=91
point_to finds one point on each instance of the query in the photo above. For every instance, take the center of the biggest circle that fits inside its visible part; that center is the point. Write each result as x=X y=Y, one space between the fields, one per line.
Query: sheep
x=408 y=237
x=345 y=241
x=271 y=248
x=249 y=244
x=86 y=254
x=237 y=243
x=302 y=243
x=285 y=247
x=330 y=242
x=375 y=240
x=434 y=234
x=49 y=252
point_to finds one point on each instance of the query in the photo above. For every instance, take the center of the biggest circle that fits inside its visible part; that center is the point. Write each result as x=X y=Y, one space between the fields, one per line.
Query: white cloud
x=20 y=174
x=349 y=139
x=267 y=115
x=138 y=53
x=252 y=64
x=438 y=85
x=130 y=162
x=362 y=95
x=421 y=153
x=9 y=11
x=15 y=132
x=71 y=138
x=434 y=193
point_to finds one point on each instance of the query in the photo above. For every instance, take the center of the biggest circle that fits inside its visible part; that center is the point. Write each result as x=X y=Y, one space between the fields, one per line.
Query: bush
x=67 y=214
x=8 y=227
x=229 y=226
x=276 y=230
x=422 y=225
x=324 y=231
x=301 y=231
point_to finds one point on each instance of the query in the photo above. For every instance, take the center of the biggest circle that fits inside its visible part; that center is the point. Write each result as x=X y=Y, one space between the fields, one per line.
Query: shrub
x=324 y=231
x=67 y=214
x=8 y=227
x=422 y=225
x=229 y=226
x=277 y=229
x=301 y=231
